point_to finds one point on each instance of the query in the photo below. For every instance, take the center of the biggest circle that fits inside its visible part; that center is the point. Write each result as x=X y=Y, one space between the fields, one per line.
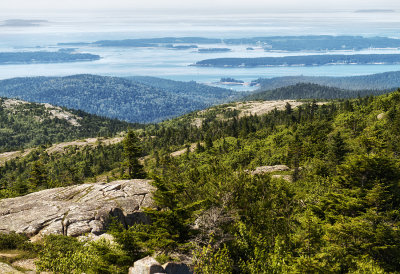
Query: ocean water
x=174 y=64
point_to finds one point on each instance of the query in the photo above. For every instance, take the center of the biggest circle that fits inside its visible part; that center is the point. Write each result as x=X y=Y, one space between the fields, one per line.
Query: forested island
x=61 y=56
x=269 y=43
x=306 y=60
x=379 y=81
x=22 y=23
x=214 y=50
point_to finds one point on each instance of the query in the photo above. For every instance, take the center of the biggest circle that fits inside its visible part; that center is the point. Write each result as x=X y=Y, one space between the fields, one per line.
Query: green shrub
x=15 y=241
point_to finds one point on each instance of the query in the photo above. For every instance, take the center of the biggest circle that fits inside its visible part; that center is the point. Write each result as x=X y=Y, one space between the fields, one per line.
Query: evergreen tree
x=132 y=152
x=38 y=176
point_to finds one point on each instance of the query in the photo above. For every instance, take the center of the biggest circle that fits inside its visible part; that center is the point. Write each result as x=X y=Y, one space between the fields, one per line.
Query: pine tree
x=38 y=176
x=132 y=151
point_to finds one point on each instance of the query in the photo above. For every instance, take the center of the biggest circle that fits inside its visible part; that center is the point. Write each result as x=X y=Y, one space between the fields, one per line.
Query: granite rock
x=76 y=210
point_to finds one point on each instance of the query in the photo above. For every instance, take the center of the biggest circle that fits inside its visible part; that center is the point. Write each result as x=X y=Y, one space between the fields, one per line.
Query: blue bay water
x=174 y=64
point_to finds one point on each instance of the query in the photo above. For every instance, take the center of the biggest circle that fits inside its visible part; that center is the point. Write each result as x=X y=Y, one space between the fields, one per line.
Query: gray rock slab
x=76 y=210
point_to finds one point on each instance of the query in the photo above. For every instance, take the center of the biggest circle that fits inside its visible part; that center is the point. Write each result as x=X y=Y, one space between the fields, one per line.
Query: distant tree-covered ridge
x=302 y=60
x=117 y=97
x=34 y=57
x=24 y=124
x=310 y=91
x=379 y=81
x=284 y=43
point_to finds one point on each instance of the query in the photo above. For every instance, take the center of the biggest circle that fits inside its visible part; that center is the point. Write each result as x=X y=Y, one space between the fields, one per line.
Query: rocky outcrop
x=149 y=265
x=269 y=169
x=76 y=210
x=5 y=268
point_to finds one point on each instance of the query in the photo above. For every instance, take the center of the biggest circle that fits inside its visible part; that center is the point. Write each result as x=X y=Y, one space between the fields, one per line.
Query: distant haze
x=204 y=5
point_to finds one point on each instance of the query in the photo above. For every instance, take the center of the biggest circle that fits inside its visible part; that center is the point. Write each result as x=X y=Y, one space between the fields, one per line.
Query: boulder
x=269 y=169
x=5 y=268
x=76 y=210
x=381 y=116
x=176 y=268
x=28 y=264
x=147 y=265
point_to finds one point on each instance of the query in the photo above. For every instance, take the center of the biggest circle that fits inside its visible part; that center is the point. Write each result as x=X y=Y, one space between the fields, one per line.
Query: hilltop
x=25 y=124
x=114 y=97
x=310 y=91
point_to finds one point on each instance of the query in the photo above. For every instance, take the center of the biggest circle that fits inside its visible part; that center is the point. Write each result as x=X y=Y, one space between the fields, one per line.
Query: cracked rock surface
x=76 y=210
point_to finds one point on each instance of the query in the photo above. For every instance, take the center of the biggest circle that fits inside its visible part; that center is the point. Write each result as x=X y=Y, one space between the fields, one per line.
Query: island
x=181 y=47
x=22 y=23
x=37 y=57
x=230 y=81
x=375 y=11
x=214 y=50
x=306 y=60
x=317 y=43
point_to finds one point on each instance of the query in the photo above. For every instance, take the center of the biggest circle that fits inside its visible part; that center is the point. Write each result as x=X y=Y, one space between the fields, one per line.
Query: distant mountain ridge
x=311 y=91
x=116 y=97
x=378 y=81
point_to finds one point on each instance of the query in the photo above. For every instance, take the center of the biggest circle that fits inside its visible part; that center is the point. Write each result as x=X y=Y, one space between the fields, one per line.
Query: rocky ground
x=76 y=210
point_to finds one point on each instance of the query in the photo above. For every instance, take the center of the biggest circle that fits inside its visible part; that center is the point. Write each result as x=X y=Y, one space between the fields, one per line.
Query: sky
x=206 y=5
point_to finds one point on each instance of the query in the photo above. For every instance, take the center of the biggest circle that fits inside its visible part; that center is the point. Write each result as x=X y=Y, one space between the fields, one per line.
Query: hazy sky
x=248 y=5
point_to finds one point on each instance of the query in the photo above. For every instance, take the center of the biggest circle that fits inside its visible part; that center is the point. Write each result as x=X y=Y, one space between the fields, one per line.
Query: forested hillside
x=310 y=91
x=334 y=209
x=190 y=90
x=379 y=81
x=114 y=97
x=24 y=124
x=302 y=60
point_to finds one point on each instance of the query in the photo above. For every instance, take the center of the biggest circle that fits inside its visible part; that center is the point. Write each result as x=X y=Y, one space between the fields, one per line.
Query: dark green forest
x=335 y=211
x=25 y=125
x=286 y=43
x=379 y=81
x=115 y=97
x=61 y=56
x=302 y=60
x=310 y=91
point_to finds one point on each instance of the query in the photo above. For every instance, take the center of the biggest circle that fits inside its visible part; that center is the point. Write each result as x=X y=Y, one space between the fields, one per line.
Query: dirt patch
x=9 y=255
x=192 y=148
x=28 y=264
x=197 y=122
x=288 y=178
x=7 y=156
x=86 y=142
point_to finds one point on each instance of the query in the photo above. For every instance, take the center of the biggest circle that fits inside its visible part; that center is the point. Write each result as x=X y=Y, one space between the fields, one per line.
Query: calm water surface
x=174 y=64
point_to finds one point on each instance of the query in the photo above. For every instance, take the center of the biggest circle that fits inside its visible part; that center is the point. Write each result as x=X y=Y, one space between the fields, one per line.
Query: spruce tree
x=132 y=151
